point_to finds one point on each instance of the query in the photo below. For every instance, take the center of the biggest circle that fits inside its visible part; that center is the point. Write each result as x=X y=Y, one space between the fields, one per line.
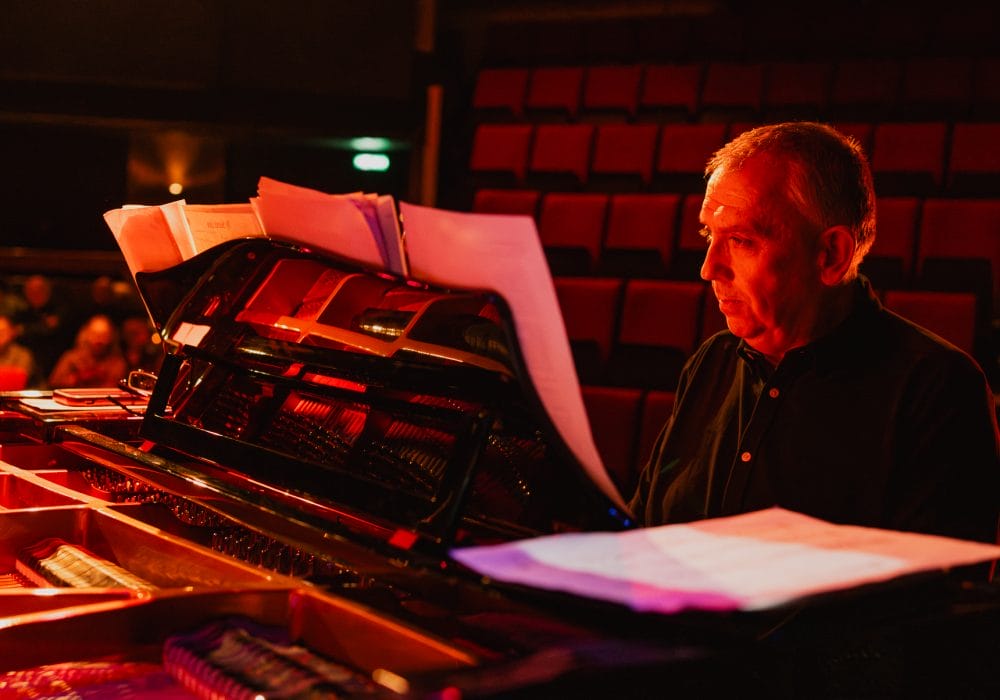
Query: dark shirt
x=879 y=423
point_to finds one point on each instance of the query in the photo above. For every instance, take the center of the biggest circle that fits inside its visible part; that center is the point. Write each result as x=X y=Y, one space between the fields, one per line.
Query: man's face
x=762 y=266
x=98 y=338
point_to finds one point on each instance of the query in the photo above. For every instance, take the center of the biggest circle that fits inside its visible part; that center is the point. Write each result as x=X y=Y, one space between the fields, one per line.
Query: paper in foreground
x=743 y=562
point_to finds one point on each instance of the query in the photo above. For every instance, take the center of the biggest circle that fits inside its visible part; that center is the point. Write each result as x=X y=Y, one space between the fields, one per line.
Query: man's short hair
x=829 y=179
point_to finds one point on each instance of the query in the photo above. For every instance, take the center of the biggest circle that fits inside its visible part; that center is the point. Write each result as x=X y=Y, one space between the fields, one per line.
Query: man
x=17 y=365
x=816 y=399
x=94 y=361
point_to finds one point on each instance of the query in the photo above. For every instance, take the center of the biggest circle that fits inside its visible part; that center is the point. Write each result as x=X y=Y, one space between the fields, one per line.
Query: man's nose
x=714 y=266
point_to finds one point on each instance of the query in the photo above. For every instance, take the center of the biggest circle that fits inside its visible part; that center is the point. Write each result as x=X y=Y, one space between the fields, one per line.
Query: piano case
x=318 y=438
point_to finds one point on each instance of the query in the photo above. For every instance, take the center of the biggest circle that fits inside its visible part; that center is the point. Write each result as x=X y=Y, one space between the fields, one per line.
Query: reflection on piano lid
x=384 y=398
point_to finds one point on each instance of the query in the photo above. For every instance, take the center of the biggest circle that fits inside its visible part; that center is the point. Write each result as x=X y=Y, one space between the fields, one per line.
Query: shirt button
x=745 y=457
x=773 y=393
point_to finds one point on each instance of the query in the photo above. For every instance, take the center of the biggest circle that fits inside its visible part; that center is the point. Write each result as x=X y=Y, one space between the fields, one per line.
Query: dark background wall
x=105 y=102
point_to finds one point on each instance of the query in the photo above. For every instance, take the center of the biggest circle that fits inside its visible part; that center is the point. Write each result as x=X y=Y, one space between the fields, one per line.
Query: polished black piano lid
x=399 y=404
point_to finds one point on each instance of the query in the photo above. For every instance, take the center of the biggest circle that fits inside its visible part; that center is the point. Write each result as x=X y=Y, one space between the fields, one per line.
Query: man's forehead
x=729 y=196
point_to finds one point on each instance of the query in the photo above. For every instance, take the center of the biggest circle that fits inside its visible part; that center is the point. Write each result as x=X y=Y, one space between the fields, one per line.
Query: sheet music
x=503 y=253
x=744 y=562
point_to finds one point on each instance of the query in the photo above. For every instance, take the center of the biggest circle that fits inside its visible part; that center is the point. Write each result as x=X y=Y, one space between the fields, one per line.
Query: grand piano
x=319 y=438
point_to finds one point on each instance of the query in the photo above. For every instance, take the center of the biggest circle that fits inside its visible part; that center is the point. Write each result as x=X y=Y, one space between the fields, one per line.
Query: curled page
x=503 y=253
x=145 y=238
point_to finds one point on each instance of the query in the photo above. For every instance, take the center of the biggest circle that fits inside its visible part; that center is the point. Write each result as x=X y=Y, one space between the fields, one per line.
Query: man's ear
x=835 y=254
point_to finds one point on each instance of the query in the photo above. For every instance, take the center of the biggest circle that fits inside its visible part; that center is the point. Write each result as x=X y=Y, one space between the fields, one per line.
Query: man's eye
x=705 y=234
x=740 y=242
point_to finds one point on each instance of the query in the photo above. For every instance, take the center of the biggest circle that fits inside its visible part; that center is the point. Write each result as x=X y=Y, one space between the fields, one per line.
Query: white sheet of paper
x=503 y=253
x=144 y=237
x=744 y=562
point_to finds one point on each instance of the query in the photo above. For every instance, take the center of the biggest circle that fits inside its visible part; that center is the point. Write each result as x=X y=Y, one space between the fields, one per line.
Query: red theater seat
x=499 y=94
x=670 y=91
x=611 y=92
x=571 y=228
x=959 y=249
x=590 y=311
x=683 y=152
x=974 y=163
x=554 y=93
x=889 y=263
x=614 y=419
x=655 y=410
x=623 y=157
x=657 y=332
x=937 y=88
x=689 y=253
x=951 y=315
x=865 y=89
x=560 y=156
x=640 y=235
x=500 y=154
x=494 y=201
x=794 y=89
x=732 y=91
x=908 y=157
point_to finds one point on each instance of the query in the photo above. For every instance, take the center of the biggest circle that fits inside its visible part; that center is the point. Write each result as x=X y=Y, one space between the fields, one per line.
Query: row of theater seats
x=953 y=88
x=639 y=332
x=932 y=243
x=626 y=422
x=916 y=158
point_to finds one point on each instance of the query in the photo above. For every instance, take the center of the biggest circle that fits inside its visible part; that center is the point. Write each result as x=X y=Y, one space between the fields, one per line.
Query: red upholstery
x=625 y=150
x=656 y=408
x=890 y=260
x=951 y=315
x=554 y=91
x=795 y=85
x=590 y=311
x=500 y=92
x=612 y=89
x=642 y=225
x=908 y=157
x=496 y=201
x=974 y=163
x=614 y=418
x=562 y=150
x=671 y=90
x=576 y=221
x=684 y=150
x=502 y=149
x=733 y=88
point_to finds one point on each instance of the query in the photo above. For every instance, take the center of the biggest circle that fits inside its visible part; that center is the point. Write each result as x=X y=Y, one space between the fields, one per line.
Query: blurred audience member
x=140 y=351
x=11 y=303
x=94 y=361
x=108 y=297
x=17 y=365
x=44 y=326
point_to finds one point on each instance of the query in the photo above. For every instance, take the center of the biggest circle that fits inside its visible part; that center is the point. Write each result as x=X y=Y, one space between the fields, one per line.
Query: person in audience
x=17 y=365
x=94 y=361
x=44 y=325
x=11 y=303
x=816 y=398
x=140 y=352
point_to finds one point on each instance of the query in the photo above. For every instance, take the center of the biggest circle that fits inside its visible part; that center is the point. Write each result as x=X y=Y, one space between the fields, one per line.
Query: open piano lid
x=393 y=403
